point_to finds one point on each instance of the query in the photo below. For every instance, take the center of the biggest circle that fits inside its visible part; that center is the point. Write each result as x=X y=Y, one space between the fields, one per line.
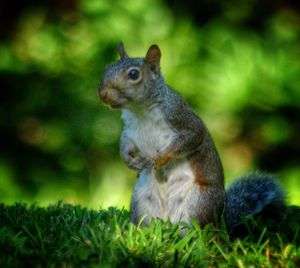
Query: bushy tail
x=252 y=195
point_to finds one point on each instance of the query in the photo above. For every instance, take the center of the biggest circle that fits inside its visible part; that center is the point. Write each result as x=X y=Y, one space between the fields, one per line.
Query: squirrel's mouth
x=115 y=105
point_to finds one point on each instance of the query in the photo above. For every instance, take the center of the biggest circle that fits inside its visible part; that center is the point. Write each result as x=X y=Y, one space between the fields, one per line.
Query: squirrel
x=180 y=174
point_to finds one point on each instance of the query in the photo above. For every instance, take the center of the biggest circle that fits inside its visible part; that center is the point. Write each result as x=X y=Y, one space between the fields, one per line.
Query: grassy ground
x=70 y=236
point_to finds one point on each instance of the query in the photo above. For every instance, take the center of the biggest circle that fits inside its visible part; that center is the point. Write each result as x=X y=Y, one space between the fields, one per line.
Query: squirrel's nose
x=102 y=93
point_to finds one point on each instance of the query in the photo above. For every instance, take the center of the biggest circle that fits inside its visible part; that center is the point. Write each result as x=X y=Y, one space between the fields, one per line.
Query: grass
x=64 y=235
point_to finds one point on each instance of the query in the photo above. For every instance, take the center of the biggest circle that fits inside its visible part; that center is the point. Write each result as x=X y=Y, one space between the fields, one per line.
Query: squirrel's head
x=130 y=80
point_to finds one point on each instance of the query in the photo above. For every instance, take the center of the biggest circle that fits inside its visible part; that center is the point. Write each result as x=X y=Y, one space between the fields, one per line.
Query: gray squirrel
x=180 y=174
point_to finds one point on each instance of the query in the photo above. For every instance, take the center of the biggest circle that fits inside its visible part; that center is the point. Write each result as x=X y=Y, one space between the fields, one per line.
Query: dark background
x=235 y=62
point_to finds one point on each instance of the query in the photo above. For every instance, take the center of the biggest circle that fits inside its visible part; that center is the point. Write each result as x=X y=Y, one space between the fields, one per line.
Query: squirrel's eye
x=134 y=74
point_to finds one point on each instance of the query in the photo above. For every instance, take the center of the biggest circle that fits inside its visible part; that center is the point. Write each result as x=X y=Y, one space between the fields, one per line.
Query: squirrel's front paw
x=161 y=160
x=137 y=162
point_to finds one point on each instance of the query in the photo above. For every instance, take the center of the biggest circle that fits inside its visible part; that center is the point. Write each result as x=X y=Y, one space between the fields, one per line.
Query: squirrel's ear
x=153 y=58
x=122 y=52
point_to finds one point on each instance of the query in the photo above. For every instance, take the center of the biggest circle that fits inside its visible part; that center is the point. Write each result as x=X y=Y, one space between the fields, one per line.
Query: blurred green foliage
x=236 y=64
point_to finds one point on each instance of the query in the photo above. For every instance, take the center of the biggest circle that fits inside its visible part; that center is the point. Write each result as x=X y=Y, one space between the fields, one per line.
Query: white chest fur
x=148 y=130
